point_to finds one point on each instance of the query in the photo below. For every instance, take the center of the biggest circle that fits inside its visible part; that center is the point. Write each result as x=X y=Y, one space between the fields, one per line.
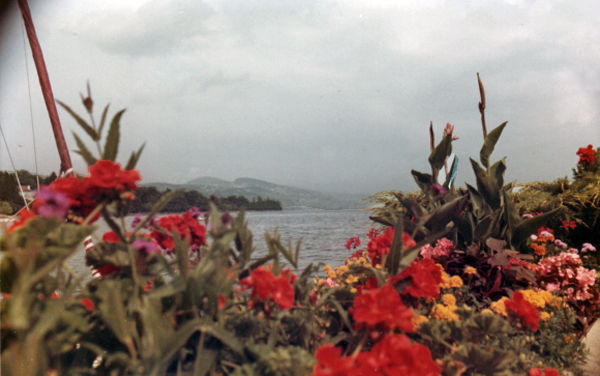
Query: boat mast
x=63 y=152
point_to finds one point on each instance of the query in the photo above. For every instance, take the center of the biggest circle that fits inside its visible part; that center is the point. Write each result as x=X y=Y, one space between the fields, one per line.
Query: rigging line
x=37 y=174
x=13 y=166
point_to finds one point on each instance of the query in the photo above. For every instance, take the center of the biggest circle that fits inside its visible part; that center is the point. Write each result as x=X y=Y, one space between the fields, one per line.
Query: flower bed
x=453 y=281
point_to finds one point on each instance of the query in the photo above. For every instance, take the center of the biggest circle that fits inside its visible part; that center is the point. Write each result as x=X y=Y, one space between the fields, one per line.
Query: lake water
x=323 y=233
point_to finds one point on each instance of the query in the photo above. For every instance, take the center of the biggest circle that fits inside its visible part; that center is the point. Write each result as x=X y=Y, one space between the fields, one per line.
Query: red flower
x=524 y=310
x=266 y=286
x=186 y=226
x=25 y=216
x=382 y=307
x=222 y=300
x=329 y=362
x=586 y=155
x=352 y=243
x=88 y=304
x=567 y=225
x=396 y=355
x=110 y=237
x=380 y=245
x=108 y=175
x=425 y=276
x=547 y=372
x=80 y=200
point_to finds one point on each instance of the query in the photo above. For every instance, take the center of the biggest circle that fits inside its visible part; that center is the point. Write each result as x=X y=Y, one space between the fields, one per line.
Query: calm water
x=323 y=233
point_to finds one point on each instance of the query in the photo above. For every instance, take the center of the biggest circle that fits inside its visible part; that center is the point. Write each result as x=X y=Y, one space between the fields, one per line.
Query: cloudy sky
x=327 y=95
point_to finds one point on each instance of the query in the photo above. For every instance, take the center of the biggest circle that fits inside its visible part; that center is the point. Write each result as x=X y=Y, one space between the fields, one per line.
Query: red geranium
x=586 y=155
x=329 y=362
x=108 y=177
x=382 y=307
x=425 y=278
x=380 y=245
x=80 y=200
x=548 y=371
x=266 y=286
x=186 y=226
x=524 y=310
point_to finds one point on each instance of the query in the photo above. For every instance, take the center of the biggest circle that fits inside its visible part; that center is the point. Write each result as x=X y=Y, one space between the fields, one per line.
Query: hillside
x=252 y=188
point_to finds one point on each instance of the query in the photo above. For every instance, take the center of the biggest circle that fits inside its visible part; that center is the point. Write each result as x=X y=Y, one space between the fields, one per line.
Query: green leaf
x=86 y=127
x=102 y=121
x=441 y=216
x=396 y=248
x=410 y=204
x=134 y=158
x=486 y=185
x=530 y=226
x=497 y=172
x=439 y=155
x=423 y=180
x=83 y=151
x=113 y=312
x=489 y=144
x=111 y=147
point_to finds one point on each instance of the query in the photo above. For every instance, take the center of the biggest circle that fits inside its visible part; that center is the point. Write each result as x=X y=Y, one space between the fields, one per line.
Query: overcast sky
x=326 y=95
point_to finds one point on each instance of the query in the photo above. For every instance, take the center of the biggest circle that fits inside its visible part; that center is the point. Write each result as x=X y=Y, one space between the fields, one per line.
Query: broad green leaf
x=441 y=152
x=422 y=180
x=396 y=248
x=111 y=147
x=489 y=144
x=482 y=228
x=512 y=215
x=102 y=121
x=497 y=172
x=83 y=151
x=135 y=156
x=441 y=216
x=486 y=185
x=86 y=127
x=530 y=226
x=477 y=199
x=113 y=312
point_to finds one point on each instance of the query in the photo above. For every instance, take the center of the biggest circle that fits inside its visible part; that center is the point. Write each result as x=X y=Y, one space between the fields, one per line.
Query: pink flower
x=587 y=247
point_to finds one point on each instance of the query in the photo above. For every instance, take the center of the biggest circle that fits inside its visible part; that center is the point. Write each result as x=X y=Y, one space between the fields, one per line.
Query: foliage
x=456 y=282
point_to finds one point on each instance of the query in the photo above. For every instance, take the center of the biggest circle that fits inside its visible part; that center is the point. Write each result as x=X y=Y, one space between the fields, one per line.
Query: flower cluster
x=425 y=279
x=393 y=355
x=524 y=311
x=268 y=287
x=442 y=249
x=567 y=273
x=382 y=308
x=586 y=155
x=185 y=224
x=445 y=311
x=379 y=246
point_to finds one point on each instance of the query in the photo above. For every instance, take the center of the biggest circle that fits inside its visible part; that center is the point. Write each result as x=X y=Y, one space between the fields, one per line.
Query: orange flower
x=24 y=216
x=539 y=250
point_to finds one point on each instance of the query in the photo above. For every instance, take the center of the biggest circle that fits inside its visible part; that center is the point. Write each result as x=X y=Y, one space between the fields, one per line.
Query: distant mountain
x=289 y=197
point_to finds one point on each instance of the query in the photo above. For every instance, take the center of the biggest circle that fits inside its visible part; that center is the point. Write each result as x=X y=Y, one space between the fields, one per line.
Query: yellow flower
x=470 y=270
x=499 y=307
x=557 y=302
x=449 y=300
x=326 y=268
x=342 y=269
x=445 y=284
x=361 y=260
x=534 y=298
x=487 y=312
x=546 y=295
x=418 y=320
x=441 y=312
x=544 y=316
x=456 y=281
x=331 y=274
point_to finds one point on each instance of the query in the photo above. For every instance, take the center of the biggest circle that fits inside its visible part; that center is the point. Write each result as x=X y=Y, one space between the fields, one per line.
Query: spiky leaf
x=86 y=127
x=111 y=147
x=439 y=155
x=422 y=180
x=486 y=185
x=489 y=144
x=83 y=151
x=135 y=156
x=497 y=172
x=102 y=120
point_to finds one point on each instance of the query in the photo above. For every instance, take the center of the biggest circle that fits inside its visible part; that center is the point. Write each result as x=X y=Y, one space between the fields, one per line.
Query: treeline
x=11 y=200
x=146 y=197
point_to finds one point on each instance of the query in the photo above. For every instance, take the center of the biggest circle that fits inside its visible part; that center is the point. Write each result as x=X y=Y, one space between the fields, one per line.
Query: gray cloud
x=325 y=94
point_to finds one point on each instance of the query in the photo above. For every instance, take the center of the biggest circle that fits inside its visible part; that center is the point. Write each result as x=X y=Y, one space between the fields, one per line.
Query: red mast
x=40 y=66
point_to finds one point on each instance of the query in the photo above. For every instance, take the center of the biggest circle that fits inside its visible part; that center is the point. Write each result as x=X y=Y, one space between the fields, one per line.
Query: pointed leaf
x=86 y=127
x=134 y=158
x=410 y=204
x=530 y=226
x=489 y=144
x=497 y=172
x=423 y=180
x=83 y=151
x=396 y=248
x=111 y=147
x=102 y=121
x=444 y=214
x=486 y=185
x=441 y=152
